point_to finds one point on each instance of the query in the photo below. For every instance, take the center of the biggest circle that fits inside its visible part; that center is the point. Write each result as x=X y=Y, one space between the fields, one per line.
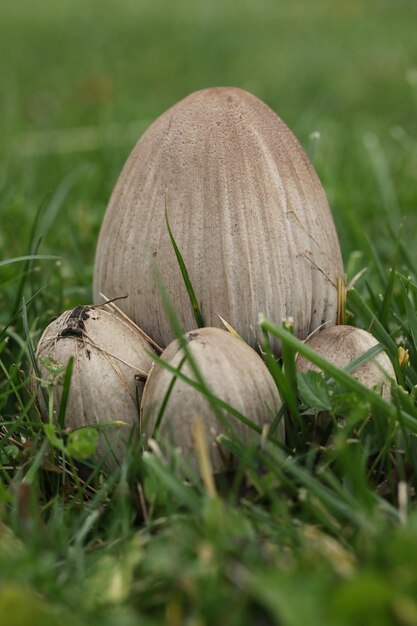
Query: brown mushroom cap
x=232 y=371
x=248 y=213
x=343 y=344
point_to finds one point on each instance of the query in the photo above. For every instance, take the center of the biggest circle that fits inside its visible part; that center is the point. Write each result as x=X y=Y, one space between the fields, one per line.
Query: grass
x=322 y=531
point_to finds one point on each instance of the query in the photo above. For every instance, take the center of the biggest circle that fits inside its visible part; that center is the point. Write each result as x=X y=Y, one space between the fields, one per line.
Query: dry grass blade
x=229 y=328
x=204 y=457
x=111 y=305
x=341 y=299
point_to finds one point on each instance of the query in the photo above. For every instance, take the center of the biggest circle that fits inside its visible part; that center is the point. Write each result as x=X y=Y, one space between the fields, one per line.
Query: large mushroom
x=248 y=213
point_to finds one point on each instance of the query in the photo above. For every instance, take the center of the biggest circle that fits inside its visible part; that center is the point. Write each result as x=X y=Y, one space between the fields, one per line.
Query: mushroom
x=343 y=344
x=232 y=371
x=248 y=213
x=112 y=359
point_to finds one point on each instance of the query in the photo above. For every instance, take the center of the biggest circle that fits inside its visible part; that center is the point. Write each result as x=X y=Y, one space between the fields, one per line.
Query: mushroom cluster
x=254 y=231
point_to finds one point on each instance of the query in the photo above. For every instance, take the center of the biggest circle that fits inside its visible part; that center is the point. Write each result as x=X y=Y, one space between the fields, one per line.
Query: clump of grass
x=298 y=531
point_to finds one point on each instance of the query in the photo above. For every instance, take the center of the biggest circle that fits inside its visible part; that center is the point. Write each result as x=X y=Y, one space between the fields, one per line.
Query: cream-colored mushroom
x=343 y=344
x=248 y=213
x=233 y=372
x=111 y=362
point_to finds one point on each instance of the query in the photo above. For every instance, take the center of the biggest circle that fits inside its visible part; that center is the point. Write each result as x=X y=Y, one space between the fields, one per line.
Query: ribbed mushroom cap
x=233 y=372
x=343 y=344
x=248 y=213
x=108 y=353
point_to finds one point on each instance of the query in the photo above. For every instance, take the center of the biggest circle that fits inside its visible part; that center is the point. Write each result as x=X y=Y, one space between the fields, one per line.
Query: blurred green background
x=81 y=80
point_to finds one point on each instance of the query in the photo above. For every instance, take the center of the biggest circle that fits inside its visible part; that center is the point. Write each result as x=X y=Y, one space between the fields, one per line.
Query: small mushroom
x=111 y=362
x=248 y=213
x=343 y=344
x=233 y=372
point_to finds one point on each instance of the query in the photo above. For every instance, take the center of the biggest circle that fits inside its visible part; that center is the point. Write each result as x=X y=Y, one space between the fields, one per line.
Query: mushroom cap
x=233 y=372
x=248 y=213
x=343 y=344
x=108 y=353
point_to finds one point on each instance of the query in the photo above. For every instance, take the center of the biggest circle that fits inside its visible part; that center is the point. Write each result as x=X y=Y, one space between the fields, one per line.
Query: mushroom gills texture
x=233 y=372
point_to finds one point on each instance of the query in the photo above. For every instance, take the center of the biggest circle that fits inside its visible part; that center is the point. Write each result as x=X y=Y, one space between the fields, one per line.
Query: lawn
x=322 y=531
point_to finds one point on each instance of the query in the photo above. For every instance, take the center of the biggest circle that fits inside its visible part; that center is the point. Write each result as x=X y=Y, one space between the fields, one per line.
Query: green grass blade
x=31 y=350
x=285 y=389
x=363 y=358
x=19 y=312
x=185 y=494
x=376 y=328
x=332 y=501
x=277 y=373
x=167 y=395
x=36 y=463
x=409 y=260
x=31 y=257
x=388 y=300
x=288 y=358
x=411 y=315
x=66 y=385
x=32 y=249
x=30 y=346
x=187 y=281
